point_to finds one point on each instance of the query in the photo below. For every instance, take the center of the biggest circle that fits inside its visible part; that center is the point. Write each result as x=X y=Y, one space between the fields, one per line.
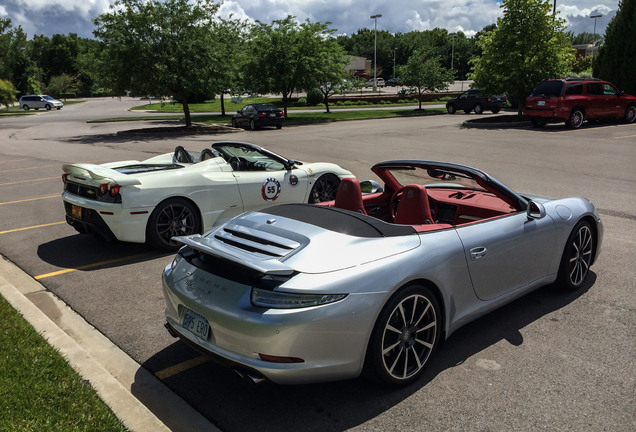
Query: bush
x=301 y=101
x=314 y=97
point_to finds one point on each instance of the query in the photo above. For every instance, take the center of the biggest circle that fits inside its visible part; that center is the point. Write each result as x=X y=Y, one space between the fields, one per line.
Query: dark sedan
x=474 y=100
x=255 y=116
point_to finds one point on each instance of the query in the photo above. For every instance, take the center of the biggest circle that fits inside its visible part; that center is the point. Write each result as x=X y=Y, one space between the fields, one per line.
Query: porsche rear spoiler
x=100 y=174
x=211 y=247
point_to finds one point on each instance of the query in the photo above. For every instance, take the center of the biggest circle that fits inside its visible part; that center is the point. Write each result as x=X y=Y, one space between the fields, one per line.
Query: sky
x=48 y=17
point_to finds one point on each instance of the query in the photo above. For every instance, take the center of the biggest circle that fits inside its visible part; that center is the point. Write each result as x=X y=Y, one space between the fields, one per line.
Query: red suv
x=576 y=100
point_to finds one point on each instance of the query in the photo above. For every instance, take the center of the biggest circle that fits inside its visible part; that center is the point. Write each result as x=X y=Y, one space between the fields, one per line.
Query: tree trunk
x=285 y=100
x=326 y=101
x=186 y=112
x=222 y=104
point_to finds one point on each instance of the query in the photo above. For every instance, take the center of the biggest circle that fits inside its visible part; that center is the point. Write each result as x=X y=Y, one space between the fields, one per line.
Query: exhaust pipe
x=249 y=377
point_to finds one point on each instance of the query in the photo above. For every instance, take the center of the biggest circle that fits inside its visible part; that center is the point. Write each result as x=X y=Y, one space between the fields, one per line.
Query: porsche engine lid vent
x=256 y=241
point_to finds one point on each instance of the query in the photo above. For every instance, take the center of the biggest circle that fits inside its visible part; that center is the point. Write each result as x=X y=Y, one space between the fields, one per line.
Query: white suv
x=39 y=101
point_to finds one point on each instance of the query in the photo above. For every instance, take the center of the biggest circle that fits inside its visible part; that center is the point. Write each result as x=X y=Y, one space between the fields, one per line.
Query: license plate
x=196 y=324
x=541 y=103
x=272 y=114
x=76 y=211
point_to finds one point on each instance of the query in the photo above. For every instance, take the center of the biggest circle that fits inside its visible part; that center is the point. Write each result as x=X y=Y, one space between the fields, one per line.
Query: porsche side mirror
x=370 y=186
x=535 y=210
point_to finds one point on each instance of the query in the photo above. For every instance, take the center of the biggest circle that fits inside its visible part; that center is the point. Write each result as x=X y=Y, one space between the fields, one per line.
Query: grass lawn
x=39 y=391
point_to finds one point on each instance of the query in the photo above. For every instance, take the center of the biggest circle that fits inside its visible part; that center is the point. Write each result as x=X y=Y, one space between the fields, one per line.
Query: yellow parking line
x=628 y=136
x=28 y=168
x=31 y=227
x=29 y=181
x=89 y=266
x=181 y=367
x=30 y=199
x=13 y=161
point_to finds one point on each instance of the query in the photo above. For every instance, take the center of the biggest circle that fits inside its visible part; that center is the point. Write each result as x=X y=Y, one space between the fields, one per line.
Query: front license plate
x=541 y=103
x=76 y=211
x=196 y=324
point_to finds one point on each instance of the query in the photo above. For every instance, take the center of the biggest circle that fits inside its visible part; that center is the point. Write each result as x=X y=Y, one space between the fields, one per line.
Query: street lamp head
x=376 y=16
x=596 y=16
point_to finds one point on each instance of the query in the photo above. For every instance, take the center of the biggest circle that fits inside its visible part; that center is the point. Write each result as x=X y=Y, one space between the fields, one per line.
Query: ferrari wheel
x=324 y=189
x=577 y=257
x=172 y=217
x=405 y=336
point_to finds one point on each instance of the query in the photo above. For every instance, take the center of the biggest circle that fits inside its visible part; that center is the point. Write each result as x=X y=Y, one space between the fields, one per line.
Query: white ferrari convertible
x=184 y=193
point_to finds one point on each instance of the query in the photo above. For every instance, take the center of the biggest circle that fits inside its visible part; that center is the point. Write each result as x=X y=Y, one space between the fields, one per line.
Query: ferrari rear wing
x=100 y=174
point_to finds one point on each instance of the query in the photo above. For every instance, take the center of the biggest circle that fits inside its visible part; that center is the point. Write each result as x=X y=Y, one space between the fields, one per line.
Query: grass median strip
x=39 y=391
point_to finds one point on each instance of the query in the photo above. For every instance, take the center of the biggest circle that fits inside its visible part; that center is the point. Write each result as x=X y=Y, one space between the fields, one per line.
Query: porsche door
x=507 y=253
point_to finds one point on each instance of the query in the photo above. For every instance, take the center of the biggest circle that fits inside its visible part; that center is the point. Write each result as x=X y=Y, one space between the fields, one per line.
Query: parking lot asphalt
x=549 y=361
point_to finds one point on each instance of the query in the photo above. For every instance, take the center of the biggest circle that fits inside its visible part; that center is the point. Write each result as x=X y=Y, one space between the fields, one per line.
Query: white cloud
x=347 y=16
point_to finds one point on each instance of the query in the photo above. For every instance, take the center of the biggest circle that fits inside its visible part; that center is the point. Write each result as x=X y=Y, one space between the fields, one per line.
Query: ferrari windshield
x=433 y=177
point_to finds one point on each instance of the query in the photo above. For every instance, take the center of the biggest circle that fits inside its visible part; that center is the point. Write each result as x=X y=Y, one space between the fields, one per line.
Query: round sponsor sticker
x=293 y=180
x=270 y=189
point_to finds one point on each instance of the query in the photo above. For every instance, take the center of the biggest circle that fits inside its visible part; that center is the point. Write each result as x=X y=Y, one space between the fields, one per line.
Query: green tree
x=7 y=93
x=527 y=46
x=615 y=62
x=15 y=62
x=162 y=48
x=63 y=84
x=423 y=72
x=286 y=56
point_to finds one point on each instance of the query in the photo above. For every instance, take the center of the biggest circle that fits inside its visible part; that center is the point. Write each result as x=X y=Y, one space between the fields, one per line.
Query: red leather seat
x=413 y=208
x=349 y=196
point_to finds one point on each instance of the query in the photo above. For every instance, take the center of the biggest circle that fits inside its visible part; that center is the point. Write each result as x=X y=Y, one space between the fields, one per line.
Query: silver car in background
x=36 y=102
x=302 y=293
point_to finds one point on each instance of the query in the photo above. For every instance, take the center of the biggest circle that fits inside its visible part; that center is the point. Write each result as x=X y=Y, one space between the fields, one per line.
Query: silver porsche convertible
x=372 y=281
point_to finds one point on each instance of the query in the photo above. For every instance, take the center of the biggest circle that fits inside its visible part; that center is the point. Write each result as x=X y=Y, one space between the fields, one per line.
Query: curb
x=119 y=381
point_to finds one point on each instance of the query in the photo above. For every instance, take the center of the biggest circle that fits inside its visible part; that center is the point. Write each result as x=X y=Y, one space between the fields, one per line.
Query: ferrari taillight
x=113 y=189
x=65 y=177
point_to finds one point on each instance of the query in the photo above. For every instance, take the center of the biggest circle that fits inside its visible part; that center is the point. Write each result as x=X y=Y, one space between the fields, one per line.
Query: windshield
x=49 y=98
x=548 y=89
x=434 y=178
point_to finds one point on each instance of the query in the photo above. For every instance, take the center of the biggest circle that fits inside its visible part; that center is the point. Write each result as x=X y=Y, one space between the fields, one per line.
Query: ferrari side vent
x=256 y=241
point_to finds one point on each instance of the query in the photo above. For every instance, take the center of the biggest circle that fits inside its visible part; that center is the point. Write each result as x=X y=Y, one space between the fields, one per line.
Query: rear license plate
x=76 y=211
x=196 y=324
x=272 y=114
x=541 y=103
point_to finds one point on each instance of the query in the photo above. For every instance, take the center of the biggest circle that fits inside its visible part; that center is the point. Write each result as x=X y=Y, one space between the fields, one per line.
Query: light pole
x=453 y=37
x=598 y=15
x=394 y=55
x=375 y=49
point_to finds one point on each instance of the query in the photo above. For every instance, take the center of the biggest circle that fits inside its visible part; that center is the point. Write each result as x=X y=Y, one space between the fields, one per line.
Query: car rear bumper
x=556 y=114
x=106 y=220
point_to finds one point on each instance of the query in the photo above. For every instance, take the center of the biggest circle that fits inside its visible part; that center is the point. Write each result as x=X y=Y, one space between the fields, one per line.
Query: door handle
x=478 y=253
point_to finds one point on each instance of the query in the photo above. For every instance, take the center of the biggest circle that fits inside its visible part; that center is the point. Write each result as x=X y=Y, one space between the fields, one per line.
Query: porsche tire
x=172 y=217
x=324 y=189
x=405 y=336
x=577 y=257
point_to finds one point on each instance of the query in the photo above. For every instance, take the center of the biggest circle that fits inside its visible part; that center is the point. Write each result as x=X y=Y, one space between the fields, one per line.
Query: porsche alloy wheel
x=173 y=217
x=577 y=257
x=405 y=336
x=324 y=189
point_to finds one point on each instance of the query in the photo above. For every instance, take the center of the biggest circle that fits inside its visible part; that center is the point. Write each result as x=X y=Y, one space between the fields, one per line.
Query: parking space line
x=30 y=199
x=90 y=266
x=31 y=227
x=28 y=168
x=29 y=181
x=628 y=136
x=181 y=367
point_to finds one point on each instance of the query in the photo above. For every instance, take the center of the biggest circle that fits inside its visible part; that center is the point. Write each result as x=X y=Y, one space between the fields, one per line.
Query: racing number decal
x=270 y=189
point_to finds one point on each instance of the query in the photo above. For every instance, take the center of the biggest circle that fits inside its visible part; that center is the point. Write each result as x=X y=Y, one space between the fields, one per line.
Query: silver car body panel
x=522 y=254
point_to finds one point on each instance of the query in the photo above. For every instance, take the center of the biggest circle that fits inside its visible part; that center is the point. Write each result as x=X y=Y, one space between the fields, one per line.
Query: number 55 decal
x=270 y=189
